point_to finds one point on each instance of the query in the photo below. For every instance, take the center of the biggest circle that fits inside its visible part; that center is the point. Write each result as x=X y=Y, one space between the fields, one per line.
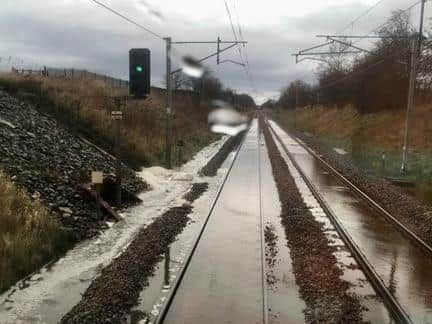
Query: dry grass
x=383 y=129
x=29 y=236
x=85 y=105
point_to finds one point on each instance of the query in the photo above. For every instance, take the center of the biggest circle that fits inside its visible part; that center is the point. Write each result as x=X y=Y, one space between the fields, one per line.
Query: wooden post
x=97 y=180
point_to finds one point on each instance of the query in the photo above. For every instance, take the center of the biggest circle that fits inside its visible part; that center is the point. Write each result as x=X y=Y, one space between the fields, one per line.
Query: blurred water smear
x=226 y=120
x=192 y=67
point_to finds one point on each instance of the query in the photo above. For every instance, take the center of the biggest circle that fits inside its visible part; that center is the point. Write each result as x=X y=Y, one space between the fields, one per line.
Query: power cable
x=127 y=19
x=233 y=30
x=351 y=24
x=245 y=64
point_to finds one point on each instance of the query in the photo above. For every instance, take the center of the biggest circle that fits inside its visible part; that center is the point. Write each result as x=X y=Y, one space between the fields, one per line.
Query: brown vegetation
x=85 y=104
x=382 y=129
x=29 y=236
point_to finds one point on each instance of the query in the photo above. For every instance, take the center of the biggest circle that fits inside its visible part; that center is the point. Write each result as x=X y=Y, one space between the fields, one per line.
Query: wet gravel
x=210 y=169
x=315 y=267
x=196 y=191
x=111 y=296
x=414 y=214
x=271 y=252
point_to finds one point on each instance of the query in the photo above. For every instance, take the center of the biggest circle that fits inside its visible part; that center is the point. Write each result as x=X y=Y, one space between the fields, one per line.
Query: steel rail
x=396 y=310
x=370 y=202
x=263 y=260
x=165 y=307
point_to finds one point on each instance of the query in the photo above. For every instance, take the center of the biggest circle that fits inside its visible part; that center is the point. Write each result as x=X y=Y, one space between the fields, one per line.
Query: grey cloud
x=88 y=37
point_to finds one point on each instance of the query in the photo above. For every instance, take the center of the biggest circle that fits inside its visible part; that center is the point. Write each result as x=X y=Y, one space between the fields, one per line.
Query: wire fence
x=73 y=73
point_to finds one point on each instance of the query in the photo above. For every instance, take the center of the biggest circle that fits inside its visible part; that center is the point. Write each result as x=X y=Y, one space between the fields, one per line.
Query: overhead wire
x=365 y=13
x=127 y=19
x=245 y=59
x=233 y=29
x=380 y=61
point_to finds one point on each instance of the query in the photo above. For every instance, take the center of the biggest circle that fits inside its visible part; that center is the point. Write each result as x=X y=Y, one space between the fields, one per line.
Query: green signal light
x=139 y=68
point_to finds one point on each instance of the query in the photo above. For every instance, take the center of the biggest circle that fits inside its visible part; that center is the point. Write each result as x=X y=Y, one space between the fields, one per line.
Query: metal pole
x=415 y=56
x=168 y=104
x=218 y=49
x=411 y=93
x=421 y=28
x=117 y=122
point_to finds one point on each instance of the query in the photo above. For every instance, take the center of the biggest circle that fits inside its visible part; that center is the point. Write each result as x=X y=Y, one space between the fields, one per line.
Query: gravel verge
x=196 y=191
x=315 y=267
x=414 y=214
x=210 y=169
x=111 y=296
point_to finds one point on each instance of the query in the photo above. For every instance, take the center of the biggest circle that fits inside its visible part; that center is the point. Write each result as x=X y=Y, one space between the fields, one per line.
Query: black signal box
x=139 y=72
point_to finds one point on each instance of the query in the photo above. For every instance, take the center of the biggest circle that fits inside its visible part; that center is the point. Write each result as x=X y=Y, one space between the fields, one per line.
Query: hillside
x=84 y=105
x=44 y=166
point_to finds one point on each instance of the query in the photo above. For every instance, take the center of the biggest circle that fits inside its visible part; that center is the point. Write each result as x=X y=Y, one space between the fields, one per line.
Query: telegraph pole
x=168 y=104
x=415 y=56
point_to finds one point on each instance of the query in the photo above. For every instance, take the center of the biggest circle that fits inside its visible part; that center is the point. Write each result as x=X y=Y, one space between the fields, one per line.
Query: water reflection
x=404 y=267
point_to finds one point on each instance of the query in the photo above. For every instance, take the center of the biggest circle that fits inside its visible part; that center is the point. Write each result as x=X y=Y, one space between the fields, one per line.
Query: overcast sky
x=80 y=34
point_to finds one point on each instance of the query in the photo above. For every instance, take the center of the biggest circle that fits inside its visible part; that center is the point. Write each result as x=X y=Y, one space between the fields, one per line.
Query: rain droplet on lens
x=226 y=116
x=220 y=104
x=229 y=130
x=226 y=120
x=192 y=67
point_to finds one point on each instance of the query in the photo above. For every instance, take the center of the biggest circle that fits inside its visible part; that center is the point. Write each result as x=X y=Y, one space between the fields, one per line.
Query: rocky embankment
x=51 y=164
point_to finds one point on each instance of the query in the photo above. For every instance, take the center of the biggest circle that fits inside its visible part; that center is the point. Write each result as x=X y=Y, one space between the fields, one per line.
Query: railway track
x=397 y=312
x=371 y=202
x=391 y=291
x=173 y=296
x=177 y=305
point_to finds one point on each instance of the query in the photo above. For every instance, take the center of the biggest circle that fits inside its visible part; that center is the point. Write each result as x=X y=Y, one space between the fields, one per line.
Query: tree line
x=373 y=81
x=209 y=87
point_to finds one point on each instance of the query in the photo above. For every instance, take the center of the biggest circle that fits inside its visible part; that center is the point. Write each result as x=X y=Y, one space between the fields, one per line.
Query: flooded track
x=400 y=263
x=224 y=280
x=47 y=295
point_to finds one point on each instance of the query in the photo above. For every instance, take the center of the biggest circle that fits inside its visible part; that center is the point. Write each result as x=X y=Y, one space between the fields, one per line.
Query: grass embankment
x=29 y=236
x=367 y=137
x=85 y=105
